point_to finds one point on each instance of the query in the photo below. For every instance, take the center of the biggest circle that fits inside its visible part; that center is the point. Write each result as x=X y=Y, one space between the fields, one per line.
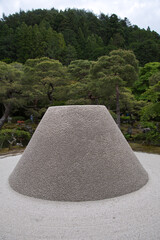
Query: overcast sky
x=143 y=13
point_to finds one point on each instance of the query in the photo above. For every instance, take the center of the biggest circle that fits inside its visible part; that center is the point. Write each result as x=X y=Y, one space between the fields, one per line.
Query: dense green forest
x=52 y=58
x=73 y=34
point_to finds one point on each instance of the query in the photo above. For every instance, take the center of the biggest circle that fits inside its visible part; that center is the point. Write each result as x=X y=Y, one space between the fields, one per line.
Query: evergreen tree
x=94 y=47
x=43 y=83
x=25 y=33
x=78 y=90
x=11 y=88
x=23 y=42
x=151 y=111
x=110 y=74
x=142 y=83
x=7 y=43
x=69 y=54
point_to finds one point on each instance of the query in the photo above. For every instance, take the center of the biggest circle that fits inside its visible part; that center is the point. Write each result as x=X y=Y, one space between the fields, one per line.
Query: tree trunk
x=117 y=106
x=5 y=115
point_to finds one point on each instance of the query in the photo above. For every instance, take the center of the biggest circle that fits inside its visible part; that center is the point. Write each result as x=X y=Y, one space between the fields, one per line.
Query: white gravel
x=135 y=216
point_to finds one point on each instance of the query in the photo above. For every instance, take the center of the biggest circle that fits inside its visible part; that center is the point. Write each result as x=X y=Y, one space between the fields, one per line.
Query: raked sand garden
x=132 y=216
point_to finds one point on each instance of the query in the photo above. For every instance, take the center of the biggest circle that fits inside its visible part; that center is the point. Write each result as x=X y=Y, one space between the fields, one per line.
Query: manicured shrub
x=17 y=118
x=151 y=137
x=13 y=137
x=125 y=119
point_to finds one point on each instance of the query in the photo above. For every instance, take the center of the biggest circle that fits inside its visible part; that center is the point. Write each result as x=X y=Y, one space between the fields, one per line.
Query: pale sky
x=142 y=13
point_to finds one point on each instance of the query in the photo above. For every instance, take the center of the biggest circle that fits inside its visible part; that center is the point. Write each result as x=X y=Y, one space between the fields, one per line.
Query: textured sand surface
x=135 y=216
x=77 y=154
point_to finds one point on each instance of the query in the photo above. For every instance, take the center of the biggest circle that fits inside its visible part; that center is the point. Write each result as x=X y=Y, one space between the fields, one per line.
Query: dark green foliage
x=10 y=88
x=69 y=55
x=32 y=87
x=150 y=138
x=110 y=78
x=72 y=34
x=44 y=81
x=146 y=73
x=17 y=118
x=152 y=109
x=150 y=134
x=13 y=137
x=38 y=41
x=78 y=89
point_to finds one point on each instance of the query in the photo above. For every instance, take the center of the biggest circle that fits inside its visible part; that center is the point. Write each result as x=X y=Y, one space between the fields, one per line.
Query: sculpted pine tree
x=44 y=82
x=78 y=92
x=110 y=74
x=10 y=88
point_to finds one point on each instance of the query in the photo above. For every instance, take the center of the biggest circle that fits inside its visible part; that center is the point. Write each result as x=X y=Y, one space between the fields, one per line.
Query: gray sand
x=77 y=154
x=129 y=217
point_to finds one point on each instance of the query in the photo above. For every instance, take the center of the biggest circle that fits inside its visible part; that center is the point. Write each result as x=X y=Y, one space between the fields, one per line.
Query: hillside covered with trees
x=52 y=58
x=73 y=34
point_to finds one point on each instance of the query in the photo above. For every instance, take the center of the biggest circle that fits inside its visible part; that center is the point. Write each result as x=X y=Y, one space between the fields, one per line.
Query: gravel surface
x=129 y=217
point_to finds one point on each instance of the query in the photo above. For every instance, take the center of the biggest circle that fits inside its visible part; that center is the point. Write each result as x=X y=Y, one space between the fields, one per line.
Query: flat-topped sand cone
x=77 y=153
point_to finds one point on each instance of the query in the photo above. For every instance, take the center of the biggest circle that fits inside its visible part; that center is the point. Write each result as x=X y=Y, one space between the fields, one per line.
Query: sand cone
x=77 y=153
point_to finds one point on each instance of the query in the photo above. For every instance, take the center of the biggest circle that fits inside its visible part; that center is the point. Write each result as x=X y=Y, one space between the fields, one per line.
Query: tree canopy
x=73 y=34
x=111 y=75
x=44 y=81
x=11 y=88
